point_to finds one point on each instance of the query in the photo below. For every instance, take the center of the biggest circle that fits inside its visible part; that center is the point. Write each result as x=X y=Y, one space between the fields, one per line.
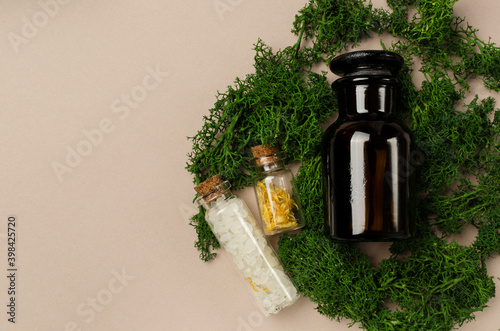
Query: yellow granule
x=253 y=286
x=276 y=207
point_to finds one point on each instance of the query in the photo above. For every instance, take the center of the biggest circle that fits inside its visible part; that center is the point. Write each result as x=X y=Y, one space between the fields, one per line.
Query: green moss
x=430 y=282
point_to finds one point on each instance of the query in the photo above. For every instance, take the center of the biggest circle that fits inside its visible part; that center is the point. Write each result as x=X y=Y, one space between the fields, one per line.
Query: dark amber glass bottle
x=366 y=151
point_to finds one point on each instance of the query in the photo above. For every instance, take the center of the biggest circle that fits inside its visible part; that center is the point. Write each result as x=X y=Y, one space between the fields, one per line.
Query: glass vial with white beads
x=239 y=235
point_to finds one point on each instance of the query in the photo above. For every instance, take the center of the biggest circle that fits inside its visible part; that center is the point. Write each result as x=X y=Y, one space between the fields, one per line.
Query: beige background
x=113 y=224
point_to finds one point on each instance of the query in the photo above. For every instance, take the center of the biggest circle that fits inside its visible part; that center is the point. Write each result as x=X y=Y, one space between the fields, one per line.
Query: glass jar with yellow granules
x=277 y=199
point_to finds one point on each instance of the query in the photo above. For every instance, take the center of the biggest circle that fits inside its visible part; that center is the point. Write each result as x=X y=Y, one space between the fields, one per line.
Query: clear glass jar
x=278 y=201
x=239 y=235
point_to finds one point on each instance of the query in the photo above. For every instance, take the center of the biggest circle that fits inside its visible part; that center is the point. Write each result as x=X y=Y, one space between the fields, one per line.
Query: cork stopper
x=264 y=150
x=265 y=155
x=209 y=185
x=211 y=189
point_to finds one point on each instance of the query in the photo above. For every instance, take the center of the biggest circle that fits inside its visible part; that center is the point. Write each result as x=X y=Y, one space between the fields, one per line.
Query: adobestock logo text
x=121 y=106
x=96 y=304
x=31 y=26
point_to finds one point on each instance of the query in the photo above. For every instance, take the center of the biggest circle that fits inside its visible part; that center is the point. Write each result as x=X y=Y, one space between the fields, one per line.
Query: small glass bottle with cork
x=277 y=198
x=239 y=235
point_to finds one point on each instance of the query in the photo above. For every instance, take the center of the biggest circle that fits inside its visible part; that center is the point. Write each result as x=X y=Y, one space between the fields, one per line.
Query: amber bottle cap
x=367 y=63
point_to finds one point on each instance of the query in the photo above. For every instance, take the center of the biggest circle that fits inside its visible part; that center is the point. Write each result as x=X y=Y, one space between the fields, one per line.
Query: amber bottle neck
x=366 y=97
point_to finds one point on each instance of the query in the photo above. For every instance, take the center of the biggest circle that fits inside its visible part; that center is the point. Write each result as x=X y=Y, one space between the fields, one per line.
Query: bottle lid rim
x=367 y=63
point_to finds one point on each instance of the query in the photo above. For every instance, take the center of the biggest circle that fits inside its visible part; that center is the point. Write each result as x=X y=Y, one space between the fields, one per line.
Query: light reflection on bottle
x=393 y=148
x=358 y=181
